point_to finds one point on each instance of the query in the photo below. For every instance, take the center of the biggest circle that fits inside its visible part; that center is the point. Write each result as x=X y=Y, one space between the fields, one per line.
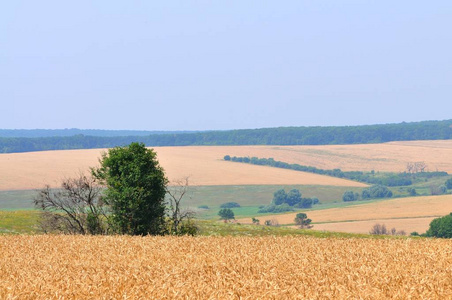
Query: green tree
x=441 y=227
x=226 y=214
x=448 y=184
x=279 y=197
x=135 y=189
x=349 y=196
x=302 y=220
x=293 y=197
x=376 y=191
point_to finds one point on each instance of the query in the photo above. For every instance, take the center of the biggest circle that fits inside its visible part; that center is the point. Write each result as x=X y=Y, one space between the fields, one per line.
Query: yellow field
x=409 y=214
x=123 y=267
x=392 y=156
x=420 y=225
x=204 y=166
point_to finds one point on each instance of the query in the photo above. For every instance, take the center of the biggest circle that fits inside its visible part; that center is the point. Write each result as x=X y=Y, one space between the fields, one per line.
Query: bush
x=305 y=203
x=438 y=190
x=412 y=191
x=255 y=221
x=226 y=214
x=350 y=196
x=448 y=184
x=441 y=227
x=203 y=207
x=275 y=208
x=302 y=220
x=272 y=222
x=380 y=229
x=230 y=205
x=227 y=157
x=376 y=191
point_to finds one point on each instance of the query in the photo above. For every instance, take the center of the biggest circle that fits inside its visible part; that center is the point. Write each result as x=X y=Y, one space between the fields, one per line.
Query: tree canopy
x=441 y=227
x=135 y=189
x=426 y=130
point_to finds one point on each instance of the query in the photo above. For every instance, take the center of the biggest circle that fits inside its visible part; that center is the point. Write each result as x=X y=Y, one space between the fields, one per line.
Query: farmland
x=409 y=214
x=215 y=181
x=223 y=267
x=205 y=166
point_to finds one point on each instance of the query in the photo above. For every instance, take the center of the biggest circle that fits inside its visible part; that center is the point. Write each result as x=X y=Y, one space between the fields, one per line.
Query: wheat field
x=419 y=225
x=124 y=267
x=204 y=166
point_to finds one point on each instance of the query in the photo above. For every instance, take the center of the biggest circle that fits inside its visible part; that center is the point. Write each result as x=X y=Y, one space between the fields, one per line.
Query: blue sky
x=200 y=65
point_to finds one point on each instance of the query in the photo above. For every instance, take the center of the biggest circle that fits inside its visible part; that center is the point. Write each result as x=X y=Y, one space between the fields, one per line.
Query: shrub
x=448 y=184
x=272 y=222
x=302 y=220
x=376 y=191
x=203 y=207
x=275 y=208
x=441 y=227
x=380 y=229
x=412 y=191
x=438 y=190
x=350 y=196
x=230 y=205
x=226 y=214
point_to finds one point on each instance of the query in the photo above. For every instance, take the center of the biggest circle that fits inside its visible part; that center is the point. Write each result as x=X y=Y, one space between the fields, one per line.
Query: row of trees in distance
x=380 y=178
x=426 y=130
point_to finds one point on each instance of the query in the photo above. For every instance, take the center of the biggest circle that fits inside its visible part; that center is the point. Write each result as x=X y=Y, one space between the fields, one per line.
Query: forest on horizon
x=41 y=140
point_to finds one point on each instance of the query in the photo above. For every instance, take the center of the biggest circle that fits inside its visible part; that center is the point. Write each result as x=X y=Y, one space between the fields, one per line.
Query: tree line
x=380 y=178
x=365 y=134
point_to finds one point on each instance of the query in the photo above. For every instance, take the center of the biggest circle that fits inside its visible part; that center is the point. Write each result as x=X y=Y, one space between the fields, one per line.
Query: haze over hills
x=35 y=133
x=39 y=140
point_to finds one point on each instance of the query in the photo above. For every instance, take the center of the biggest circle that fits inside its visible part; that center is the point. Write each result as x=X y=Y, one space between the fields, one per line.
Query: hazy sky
x=195 y=65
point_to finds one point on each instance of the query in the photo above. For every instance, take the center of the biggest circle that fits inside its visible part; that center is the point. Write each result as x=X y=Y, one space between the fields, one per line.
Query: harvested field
x=411 y=214
x=123 y=267
x=386 y=157
x=204 y=165
x=409 y=225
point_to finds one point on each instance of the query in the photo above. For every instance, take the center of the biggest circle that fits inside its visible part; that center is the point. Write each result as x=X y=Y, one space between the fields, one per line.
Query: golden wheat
x=122 y=267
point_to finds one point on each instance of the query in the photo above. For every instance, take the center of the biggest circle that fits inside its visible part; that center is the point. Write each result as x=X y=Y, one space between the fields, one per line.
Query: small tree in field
x=226 y=214
x=302 y=220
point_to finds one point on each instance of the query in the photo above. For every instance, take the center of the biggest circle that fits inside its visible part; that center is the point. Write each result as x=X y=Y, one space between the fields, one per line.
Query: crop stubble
x=205 y=166
x=409 y=214
x=124 y=267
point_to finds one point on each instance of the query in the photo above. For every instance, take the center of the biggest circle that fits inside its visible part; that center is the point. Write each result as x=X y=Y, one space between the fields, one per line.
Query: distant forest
x=365 y=134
